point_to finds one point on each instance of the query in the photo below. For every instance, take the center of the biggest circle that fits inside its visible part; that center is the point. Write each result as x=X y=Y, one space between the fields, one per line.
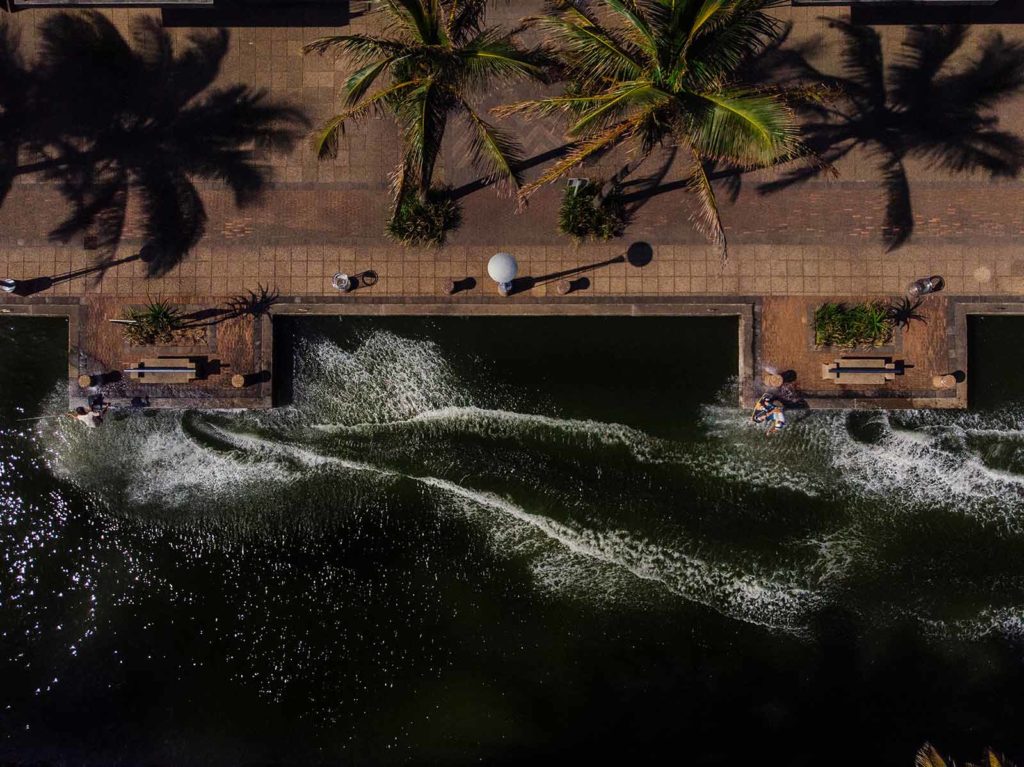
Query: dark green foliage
x=433 y=60
x=425 y=222
x=153 y=325
x=865 y=324
x=586 y=215
x=668 y=73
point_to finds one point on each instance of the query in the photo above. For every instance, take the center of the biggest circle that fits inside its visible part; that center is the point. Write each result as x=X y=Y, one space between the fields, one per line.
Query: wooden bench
x=859 y=370
x=163 y=370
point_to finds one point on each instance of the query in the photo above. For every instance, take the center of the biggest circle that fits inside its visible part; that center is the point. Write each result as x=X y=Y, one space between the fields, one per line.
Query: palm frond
x=590 y=51
x=570 y=105
x=417 y=18
x=493 y=56
x=707 y=219
x=465 y=19
x=928 y=756
x=637 y=28
x=326 y=140
x=627 y=97
x=494 y=151
x=361 y=48
x=721 y=44
x=363 y=79
x=599 y=142
x=423 y=115
x=744 y=128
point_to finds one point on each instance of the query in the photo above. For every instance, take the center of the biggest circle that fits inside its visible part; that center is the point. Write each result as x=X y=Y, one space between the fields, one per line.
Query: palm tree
x=928 y=756
x=431 y=60
x=141 y=118
x=921 y=106
x=645 y=73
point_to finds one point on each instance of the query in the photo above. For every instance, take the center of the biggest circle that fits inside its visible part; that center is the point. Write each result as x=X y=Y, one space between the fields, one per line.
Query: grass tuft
x=865 y=324
x=586 y=215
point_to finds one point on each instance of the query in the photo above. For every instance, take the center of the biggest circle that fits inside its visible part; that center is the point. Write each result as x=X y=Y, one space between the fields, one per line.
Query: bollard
x=773 y=380
x=238 y=381
x=947 y=381
x=564 y=287
x=342 y=282
x=85 y=381
x=448 y=286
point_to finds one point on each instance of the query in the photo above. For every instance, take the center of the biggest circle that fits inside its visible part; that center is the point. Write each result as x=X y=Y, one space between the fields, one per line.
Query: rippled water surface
x=506 y=540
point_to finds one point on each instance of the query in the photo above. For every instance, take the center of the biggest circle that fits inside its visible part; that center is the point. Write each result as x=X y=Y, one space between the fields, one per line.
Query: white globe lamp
x=502 y=268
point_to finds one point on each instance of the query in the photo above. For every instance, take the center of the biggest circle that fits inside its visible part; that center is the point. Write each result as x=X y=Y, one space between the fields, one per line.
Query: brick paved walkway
x=318 y=218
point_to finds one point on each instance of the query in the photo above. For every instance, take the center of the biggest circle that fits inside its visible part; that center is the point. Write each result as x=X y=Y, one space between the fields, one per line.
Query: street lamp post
x=502 y=268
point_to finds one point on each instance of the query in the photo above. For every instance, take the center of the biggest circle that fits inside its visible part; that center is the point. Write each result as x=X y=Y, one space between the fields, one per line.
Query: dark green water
x=507 y=541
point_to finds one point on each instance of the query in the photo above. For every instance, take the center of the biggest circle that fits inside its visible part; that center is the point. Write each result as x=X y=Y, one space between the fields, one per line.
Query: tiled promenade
x=817 y=239
x=321 y=217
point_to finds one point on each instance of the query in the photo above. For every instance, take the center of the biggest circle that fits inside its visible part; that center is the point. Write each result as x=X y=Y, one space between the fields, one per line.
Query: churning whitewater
x=768 y=532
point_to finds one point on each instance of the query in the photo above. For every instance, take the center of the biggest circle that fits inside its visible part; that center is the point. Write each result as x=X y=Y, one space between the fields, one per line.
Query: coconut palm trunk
x=430 y=63
x=650 y=73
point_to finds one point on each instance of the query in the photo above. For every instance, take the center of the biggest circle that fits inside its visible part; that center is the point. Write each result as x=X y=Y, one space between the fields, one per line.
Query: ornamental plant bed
x=172 y=328
x=848 y=326
x=585 y=214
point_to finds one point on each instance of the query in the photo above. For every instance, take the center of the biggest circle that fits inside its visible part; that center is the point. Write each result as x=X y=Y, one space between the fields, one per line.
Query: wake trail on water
x=709 y=460
x=770 y=600
x=389 y=389
x=925 y=461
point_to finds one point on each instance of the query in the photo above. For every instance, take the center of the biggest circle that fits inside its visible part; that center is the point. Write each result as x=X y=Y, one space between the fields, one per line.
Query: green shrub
x=153 y=325
x=584 y=214
x=425 y=222
x=866 y=324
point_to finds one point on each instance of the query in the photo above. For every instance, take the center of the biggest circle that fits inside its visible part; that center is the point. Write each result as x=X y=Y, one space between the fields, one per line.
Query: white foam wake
x=751 y=597
x=386 y=378
x=746 y=596
x=504 y=424
x=931 y=467
x=152 y=461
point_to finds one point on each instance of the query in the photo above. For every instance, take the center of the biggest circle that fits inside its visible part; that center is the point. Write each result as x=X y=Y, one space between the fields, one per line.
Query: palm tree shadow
x=15 y=92
x=255 y=303
x=635 y=193
x=483 y=182
x=920 y=106
x=121 y=119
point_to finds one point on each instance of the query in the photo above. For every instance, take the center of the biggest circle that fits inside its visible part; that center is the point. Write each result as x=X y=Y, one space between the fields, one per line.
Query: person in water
x=91 y=418
x=764 y=409
x=769 y=410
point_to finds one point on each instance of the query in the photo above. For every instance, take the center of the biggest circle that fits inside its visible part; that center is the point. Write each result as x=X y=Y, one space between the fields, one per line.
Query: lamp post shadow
x=638 y=255
x=35 y=285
